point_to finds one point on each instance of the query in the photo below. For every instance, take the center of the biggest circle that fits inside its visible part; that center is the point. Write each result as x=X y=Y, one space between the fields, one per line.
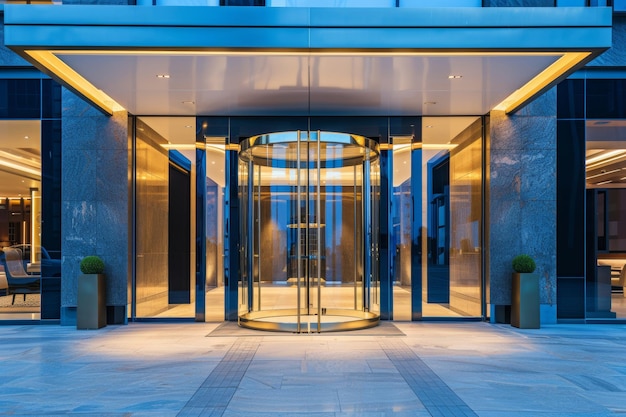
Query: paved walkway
x=404 y=369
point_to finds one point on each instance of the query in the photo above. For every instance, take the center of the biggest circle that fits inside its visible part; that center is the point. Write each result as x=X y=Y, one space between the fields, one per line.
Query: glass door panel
x=303 y=199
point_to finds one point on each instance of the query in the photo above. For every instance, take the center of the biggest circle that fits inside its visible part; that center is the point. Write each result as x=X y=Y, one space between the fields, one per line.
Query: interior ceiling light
x=26 y=137
x=454 y=77
x=604 y=182
x=603 y=173
x=163 y=76
x=594 y=160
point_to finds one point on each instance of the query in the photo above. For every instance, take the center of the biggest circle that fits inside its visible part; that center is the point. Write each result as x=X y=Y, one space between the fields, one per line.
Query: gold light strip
x=253 y=52
x=542 y=80
x=75 y=80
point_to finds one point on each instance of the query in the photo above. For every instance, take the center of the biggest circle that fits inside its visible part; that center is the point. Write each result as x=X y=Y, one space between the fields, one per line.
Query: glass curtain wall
x=437 y=209
x=30 y=175
x=594 y=109
x=168 y=184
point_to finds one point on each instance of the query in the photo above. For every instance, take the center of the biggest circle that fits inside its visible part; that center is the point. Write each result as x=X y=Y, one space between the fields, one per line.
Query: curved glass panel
x=309 y=244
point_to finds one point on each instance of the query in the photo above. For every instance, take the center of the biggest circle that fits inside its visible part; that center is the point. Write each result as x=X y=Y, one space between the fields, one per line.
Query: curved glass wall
x=309 y=234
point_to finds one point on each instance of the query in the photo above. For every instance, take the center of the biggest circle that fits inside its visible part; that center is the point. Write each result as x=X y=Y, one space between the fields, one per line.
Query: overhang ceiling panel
x=298 y=84
x=273 y=61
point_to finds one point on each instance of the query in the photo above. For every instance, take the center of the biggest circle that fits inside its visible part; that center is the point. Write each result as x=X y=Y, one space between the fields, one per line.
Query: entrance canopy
x=300 y=61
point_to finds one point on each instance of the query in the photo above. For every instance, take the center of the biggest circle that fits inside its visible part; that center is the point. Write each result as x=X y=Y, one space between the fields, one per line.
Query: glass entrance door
x=308 y=234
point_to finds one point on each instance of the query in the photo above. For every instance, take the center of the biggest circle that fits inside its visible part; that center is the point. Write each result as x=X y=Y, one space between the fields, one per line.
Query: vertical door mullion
x=318 y=216
x=298 y=232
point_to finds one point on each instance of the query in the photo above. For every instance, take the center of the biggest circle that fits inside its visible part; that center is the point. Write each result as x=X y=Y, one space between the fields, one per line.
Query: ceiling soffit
x=257 y=61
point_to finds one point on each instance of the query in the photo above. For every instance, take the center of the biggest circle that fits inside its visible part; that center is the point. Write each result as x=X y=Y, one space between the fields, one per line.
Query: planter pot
x=91 y=310
x=525 y=301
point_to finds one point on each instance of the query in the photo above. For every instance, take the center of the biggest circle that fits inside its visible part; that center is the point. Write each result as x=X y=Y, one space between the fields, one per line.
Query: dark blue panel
x=570 y=189
x=50 y=99
x=200 y=231
x=51 y=217
x=416 y=232
x=570 y=99
x=371 y=127
x=20 y=99
x=405 y=126
x=385 y=231
x=211 y=127
x=244 y=127
x=570 y=298
x=606 y=99
x=179 y=234
x=232 y=264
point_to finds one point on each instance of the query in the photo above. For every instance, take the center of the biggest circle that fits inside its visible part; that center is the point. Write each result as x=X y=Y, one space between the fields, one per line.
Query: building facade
x=307 y=166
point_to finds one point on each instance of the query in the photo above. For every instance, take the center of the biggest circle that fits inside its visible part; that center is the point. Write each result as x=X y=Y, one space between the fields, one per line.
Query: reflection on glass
x=22 y=255
x=166 y=194
x=606 y=280
x=448 y=259
x=402 y=211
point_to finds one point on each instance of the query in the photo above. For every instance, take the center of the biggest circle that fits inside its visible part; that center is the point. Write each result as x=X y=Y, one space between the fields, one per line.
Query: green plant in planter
x=92 y=265
x=524 y=264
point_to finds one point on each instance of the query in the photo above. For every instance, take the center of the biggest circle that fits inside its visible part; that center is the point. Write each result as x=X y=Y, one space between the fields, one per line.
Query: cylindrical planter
x=91 y=310
x=525 y=301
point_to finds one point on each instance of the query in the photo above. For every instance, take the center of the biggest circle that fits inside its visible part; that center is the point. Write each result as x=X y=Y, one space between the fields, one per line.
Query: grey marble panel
x=522 y=195
x=112 y=179
x=502 y=131
x=505 y=174
x=92 y=132
x=538 y=175
x=71 y=271
x=539 y=239
x=77 y=165
x=542 y=106
x=80 y=231
x=74 y=106
x=95 y=197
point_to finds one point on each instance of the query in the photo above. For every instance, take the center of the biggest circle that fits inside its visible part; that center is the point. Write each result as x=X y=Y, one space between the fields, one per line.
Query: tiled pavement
x=425 y=369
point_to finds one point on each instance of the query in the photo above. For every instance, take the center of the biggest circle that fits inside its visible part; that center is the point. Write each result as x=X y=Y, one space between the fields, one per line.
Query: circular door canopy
x=286 y=149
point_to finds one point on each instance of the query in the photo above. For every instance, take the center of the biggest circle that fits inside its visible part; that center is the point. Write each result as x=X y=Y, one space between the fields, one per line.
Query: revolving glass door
x=309 y=232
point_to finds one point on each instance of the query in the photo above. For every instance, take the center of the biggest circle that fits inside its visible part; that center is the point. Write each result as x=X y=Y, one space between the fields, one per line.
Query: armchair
x=19 y=281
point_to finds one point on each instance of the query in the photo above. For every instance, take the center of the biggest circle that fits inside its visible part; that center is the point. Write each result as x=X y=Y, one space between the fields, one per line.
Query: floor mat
x=232 y=329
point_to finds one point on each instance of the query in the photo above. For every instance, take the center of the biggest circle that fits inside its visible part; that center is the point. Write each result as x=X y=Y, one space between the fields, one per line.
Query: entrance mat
x=232 y=329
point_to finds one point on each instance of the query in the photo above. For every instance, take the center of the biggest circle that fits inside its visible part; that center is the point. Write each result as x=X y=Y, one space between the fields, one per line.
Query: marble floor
x=418 y=369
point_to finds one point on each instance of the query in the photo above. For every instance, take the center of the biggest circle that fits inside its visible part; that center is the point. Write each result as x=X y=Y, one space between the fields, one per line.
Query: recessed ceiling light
x=430 y=102
x=454 y=77
x=163 y=76
x=26 y=137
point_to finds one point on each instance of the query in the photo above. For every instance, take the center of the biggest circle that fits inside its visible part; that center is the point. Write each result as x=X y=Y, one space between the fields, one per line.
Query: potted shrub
x=91 y=309
x=525 y=293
